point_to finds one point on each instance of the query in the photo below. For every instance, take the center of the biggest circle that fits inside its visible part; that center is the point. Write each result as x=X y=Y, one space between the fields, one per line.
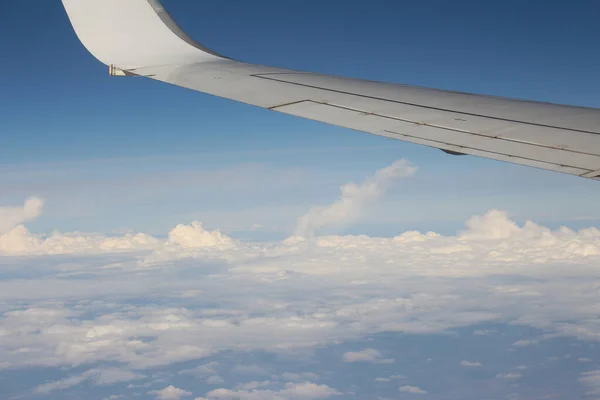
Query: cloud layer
x=112 y=309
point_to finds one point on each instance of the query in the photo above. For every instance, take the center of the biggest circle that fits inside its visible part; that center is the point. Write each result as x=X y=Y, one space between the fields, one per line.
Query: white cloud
x=382 y=379
x=99 y=376
x=60 y=384
x=195 y=236
x=201 y=370
x=170 y=393
x=56 y=334
x=367 y=355
x=592 y=380
x=184 y=241
x=509 y=375
x=19 y=241
x=493 y=225
x=51 y=321
x=254 y=385
x=525 y=343
x=412 y=389
x=470 y=364
x=354 y=198
x=584 y=359
x=292 y=391
x=13 y=216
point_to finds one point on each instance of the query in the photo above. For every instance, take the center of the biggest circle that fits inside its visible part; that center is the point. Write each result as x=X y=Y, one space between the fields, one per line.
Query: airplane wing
x=138 y=37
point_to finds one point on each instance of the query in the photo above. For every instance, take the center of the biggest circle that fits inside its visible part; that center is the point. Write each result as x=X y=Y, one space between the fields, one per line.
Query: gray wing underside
x=554 y=137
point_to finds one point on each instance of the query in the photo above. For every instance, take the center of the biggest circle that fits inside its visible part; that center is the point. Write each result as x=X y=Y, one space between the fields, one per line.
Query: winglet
x=128 y=34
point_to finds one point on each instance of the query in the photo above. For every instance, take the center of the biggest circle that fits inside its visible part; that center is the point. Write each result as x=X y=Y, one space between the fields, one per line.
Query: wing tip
x=133 y=33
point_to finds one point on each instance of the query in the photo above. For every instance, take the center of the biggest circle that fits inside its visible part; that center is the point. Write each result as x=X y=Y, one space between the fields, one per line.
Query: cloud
x=292 y=391
x=493 y=225
x=412 y=389
x=100 y=302
x=253 y=385
x=170 y=393
x=99 y=376
x=353 y=199
x=470 y=364
x=195 y=236
x=250 y=296
x=525 y=343
x=201 y=370
x=592 y=380
x=13 y=216
x=584 y=359
x=509 y=375
x=183 y=241
x=367 y=355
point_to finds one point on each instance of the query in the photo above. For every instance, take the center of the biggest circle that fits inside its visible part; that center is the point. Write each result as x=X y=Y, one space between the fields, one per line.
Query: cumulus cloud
x=183 y=241
x=367 y=355
x=170 y=393
x=470 y=364
x=19 y=241
x=291 y=391
x=195 y=236
x=353 y=199
x=13 y=216
x=412 y=389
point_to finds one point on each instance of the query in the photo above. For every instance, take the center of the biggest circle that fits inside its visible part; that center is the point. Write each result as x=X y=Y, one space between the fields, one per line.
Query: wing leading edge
x=138 y=37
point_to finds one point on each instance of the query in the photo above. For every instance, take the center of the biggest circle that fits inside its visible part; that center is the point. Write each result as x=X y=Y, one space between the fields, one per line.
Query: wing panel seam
x=490 y=152
x=263 y=76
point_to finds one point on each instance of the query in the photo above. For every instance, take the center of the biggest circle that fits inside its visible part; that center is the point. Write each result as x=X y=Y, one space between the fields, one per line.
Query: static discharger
x=114 y=71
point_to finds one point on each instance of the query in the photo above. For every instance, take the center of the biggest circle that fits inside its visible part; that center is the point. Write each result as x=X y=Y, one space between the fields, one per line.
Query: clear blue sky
x=59 y=104
x=56 y=95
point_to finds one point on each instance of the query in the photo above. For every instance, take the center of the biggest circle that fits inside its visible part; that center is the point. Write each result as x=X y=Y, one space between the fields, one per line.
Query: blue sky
x=496 y=300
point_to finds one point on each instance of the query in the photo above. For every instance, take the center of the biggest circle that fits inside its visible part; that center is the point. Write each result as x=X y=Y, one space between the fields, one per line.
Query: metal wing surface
x=138 y=37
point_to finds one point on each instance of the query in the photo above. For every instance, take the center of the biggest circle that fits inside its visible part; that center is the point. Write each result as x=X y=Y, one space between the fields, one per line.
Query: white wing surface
x=138 y=37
